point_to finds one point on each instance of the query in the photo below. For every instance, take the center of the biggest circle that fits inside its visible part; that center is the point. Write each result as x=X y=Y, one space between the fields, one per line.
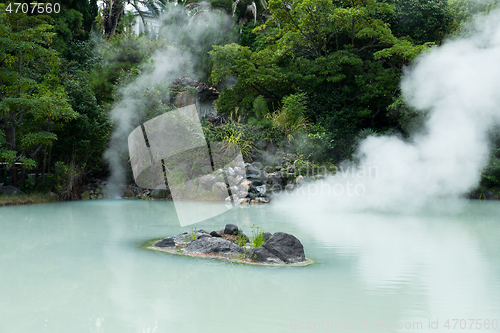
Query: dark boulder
x=261 y=254
x=213 y=245
x=167 y=242
x=126 y=194
x=488 y=194
x=286 y=247
x=9 y=190
x=215 y=234
x=231 y=229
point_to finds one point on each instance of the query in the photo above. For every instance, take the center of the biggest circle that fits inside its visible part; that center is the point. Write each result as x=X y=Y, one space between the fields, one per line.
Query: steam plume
x=458 y=84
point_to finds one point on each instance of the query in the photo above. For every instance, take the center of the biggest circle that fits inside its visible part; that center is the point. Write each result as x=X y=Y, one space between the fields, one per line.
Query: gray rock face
x=219 y=189
x=237 y=180
x=183 y=238
x=187 y=236
x=242 y=194
x=239 y=171
x=167 y=242
x=231 y=229
x=261 y=254
x=9 y=190
x=203 y=235
x=207 y=181
x=213 y=245
x=286 y=247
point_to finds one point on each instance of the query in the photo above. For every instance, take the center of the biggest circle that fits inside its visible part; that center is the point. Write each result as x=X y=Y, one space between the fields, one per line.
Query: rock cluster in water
x=278 y=248
x=249 y=183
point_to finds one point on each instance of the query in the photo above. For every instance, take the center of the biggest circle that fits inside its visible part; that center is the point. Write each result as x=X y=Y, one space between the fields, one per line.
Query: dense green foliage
x=422 y=21
x=74 y=22
x=343 y=56
x=33 y=103
x=310 y=77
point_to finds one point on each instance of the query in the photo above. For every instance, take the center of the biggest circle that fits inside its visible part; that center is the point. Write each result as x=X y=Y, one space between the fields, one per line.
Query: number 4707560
x=36 y=8
x=471 y=323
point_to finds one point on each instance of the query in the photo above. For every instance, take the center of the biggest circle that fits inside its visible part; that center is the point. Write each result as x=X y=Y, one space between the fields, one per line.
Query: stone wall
x=202 y=96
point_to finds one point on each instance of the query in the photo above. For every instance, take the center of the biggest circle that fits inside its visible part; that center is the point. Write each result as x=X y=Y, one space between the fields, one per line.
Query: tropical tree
x=32 y=101
x=114 y=10
x=244 y=7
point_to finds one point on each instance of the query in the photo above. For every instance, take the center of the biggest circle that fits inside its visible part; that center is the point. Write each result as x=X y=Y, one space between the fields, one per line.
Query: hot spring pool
x=79 y=267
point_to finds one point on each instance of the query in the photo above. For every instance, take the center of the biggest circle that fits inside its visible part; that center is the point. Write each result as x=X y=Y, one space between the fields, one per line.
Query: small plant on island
x=191 y=236
x=257 y=236
x=242 y=240
x=193 y=233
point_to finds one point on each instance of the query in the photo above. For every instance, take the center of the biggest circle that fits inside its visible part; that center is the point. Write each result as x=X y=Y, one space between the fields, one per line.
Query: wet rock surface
x=261 y=254
x=231 y=229
x=286 y=247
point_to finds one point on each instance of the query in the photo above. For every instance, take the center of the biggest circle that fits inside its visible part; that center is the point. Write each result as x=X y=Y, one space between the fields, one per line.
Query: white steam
x=458 y=83
x=170 y=64
x=174 y=61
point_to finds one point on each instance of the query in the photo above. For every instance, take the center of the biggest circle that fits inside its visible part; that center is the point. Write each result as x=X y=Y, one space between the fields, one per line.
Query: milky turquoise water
x=79 y=267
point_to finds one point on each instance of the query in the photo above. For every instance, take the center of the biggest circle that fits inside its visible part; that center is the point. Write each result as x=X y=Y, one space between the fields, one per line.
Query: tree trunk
x=13 y=173
x=23 y=175
x=112 y=15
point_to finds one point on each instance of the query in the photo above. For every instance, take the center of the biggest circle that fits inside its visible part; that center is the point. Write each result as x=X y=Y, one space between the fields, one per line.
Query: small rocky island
x=232 y=244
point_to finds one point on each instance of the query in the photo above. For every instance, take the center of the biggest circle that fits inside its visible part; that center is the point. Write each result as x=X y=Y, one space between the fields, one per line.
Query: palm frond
x=253 y=9
x=235 y=4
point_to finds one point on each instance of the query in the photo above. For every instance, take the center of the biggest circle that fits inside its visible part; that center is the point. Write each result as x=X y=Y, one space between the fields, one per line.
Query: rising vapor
x=458 y=85
x=181 y=32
